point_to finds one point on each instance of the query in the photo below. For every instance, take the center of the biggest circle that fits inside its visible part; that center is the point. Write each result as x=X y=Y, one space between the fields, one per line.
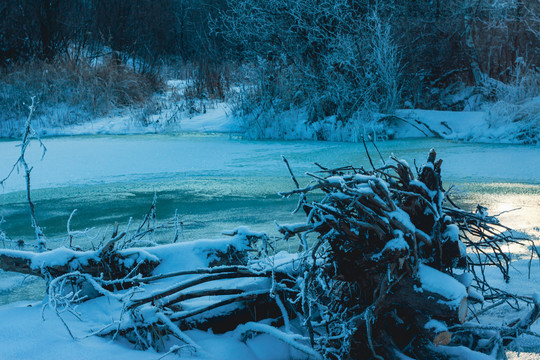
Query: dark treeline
x=150 y=30
x=333 y=56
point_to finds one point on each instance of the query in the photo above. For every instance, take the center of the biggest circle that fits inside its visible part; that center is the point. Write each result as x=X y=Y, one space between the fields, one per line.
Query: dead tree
x=29 y=132
x=382 y=270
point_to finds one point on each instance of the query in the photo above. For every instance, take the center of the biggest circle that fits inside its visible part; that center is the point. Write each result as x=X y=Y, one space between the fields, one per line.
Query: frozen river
x=217 y=182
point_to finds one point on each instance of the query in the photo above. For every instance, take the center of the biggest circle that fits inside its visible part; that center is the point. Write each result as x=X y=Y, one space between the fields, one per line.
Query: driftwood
x=381 y=233
x=105 y=263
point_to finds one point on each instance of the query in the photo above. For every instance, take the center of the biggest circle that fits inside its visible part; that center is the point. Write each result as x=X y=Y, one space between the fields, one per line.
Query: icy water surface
x=216 y=182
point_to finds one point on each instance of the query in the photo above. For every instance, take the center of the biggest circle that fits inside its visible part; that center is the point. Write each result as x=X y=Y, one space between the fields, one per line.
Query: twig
x=367 y=153
x=376 y=148
x=290 y=172
x=247 y=296
x=192 y=282
x=28 y=133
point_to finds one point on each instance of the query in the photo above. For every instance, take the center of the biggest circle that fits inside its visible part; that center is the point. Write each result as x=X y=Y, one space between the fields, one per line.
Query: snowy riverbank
x=31 y=330
x=165 y=114
x=89 y=161
x=473 y=126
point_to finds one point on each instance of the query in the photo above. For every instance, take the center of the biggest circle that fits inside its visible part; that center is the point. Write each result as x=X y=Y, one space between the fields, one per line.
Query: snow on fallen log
x=62 y=261
x=443 y=284
x=434 y=294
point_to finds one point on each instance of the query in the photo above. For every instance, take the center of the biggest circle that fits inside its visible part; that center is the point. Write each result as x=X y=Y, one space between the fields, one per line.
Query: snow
x=494 y=125
x=192 y=254
x=26 y=336
x=524 y=280
x=52 y=258
x=398 y=243
x=364 y=178
x=451 y=233
x=423 y=186
x=462 y=353
x=170 y=118
x=441 y=283
x=520 y=355
x=436 y=326
x=466 y=278
x=290 y=339
x=463 y=123
x=63 y=255
x=403 y=218
x=335 y=180
x=524 y=277
x=498 y=123
x=476 y=296
x=215 y=120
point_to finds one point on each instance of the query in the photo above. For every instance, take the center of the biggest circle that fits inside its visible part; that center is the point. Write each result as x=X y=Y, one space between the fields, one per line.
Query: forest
x=344 y=60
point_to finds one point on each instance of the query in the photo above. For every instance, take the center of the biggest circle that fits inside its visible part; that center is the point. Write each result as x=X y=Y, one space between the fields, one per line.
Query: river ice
x=105 y=159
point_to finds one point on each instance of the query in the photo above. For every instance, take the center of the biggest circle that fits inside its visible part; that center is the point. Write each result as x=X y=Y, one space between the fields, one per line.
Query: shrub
x=70 y=92
x=331 y=57
x=514 y=114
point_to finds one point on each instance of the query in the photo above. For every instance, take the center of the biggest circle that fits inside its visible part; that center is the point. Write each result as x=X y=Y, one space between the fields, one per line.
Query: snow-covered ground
x=172 y=114
x=33 y=331
x=215 y=119
x=453 y=124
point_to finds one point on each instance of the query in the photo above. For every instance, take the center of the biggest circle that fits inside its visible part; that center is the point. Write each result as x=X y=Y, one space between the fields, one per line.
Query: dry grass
x=206 y=80
x=68 y=92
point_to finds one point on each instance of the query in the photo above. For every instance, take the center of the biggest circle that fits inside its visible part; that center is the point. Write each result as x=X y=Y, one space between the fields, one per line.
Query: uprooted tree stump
x=381 y=262
x=383 y=272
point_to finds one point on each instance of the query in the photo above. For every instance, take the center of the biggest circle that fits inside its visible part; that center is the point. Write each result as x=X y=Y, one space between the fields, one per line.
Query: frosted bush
x=515 y=123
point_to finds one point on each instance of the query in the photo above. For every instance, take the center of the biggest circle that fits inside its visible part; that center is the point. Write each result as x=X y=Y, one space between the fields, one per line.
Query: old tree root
x=388 y=268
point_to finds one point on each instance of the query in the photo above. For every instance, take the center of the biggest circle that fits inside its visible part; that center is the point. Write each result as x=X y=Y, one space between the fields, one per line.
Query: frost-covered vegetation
x=304 y=69
x=68 y=93
x=330 y=66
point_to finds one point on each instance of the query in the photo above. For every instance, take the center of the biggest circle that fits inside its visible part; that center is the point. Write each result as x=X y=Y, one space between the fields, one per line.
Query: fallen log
x=433 y=294
x=55 y=263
